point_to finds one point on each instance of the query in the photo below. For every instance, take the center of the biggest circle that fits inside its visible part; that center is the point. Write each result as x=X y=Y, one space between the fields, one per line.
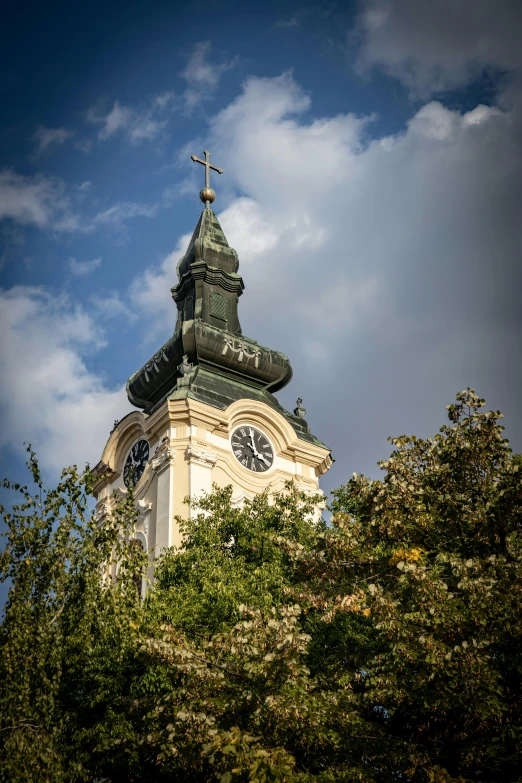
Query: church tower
x=207 y=414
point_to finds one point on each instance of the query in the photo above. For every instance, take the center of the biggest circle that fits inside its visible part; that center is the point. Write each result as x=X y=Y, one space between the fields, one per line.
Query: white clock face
x=252 y=449
x=135 y=463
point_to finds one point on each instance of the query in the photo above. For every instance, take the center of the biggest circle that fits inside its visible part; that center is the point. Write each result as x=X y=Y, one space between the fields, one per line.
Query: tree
x=432 y=555
x=230 y=557
x=67 y=642
x=385 y=646
x=227 y=693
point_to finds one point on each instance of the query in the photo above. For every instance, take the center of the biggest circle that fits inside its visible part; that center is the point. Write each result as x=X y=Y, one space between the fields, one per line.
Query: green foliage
x=433 y=555
x=230 y=556
x=383 y=647
x=65 y=633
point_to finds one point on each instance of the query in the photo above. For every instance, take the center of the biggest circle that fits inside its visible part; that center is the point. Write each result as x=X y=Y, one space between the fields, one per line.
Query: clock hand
x=253 y=446
x=260 y=456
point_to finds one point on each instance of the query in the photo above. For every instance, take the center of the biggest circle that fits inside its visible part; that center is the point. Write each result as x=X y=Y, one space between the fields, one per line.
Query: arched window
x=218 y=306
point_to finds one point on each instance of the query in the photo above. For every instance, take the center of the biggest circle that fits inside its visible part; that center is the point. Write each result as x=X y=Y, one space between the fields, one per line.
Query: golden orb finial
x=207 y=194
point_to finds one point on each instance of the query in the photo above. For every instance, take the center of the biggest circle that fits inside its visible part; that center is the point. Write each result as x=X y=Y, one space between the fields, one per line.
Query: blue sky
x=372 y=187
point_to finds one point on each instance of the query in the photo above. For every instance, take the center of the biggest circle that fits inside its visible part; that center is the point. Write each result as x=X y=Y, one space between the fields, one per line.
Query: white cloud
x=438 y=45
x=47 y=395
x=125 y=210
x=201 y=75
x=112 y=306
x=254 y=235
x=85 y=186
x=47 y=137
x=36 y=200
x=27 y=199
x=81 y=268
x=151 y=291
x=178 y=190
x=69 y=222
x=146 y=129
x=119 y=117
x=387 y=269
x=136 y=126
x=163 y=100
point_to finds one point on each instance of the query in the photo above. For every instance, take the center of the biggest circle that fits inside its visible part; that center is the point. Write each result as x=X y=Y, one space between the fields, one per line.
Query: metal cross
x=207 y=164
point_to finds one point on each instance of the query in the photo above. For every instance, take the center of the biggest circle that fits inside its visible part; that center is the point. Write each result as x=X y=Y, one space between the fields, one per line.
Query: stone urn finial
x=299 y=410
x=185 y=368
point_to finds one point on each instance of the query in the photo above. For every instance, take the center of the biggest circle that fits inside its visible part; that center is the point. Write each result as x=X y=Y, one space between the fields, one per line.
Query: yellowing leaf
x=407 y=555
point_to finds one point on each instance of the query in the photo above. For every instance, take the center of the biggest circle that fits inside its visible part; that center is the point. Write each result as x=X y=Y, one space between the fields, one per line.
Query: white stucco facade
x=189 y=451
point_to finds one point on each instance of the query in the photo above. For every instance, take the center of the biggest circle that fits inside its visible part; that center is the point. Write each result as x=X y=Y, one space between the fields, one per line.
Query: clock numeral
x=243 y=433
x=253 y=465
x=238 y=452
x=244 y=461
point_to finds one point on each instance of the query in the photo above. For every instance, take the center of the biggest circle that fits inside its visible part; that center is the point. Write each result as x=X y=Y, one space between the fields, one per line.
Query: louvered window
x=218 y=306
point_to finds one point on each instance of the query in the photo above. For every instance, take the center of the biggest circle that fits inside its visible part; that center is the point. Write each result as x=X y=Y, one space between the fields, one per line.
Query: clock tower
x=207 y=411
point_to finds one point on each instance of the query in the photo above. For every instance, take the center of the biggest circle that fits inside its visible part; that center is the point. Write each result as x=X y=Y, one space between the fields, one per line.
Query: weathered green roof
x=209 y=236
x=220 y=392
x=225 y=365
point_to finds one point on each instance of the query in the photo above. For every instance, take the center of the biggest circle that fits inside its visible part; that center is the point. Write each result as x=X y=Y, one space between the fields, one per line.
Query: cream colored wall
x=190 y=449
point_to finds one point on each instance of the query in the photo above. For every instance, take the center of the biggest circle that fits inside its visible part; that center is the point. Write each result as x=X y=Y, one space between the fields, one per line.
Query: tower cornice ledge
x=223 y=352
x=200 y=270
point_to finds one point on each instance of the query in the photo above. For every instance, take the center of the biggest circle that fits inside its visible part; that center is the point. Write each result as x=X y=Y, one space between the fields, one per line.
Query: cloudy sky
x=372 y=188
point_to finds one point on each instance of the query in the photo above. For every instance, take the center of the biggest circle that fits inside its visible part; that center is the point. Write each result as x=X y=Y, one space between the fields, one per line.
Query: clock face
x=252 y=448
x=135 y=463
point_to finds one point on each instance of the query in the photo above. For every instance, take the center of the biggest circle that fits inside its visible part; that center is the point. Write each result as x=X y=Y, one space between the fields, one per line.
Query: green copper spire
x=209 y=284
x=208 y=358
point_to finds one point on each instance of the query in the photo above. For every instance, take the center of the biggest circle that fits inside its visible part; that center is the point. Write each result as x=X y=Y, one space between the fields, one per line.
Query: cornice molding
x=200 y=270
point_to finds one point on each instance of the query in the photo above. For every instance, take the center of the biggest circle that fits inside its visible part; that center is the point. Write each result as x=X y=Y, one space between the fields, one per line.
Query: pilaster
x=162 y=464
x=200 y=464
